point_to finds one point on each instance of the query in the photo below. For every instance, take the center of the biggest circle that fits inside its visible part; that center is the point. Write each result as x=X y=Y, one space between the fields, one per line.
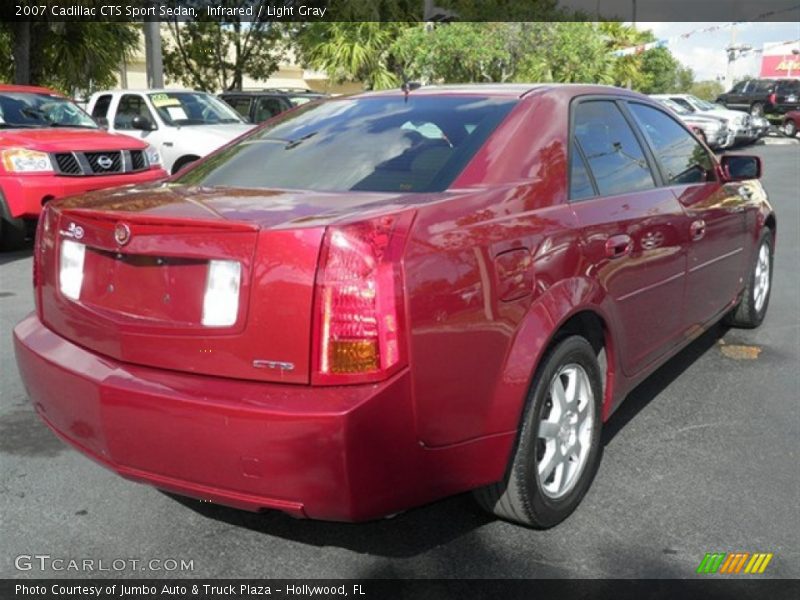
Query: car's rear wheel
x=789 y=128
x=752 y=307
x=757 y=109
x=558 y=449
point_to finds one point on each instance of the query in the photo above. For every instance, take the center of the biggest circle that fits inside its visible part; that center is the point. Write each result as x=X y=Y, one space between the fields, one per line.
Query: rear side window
x=379 y=144
x=612 y=151
x=100 y=109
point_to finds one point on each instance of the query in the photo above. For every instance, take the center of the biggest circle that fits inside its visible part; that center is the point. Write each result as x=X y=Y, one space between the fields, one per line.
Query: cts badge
x=122 y=234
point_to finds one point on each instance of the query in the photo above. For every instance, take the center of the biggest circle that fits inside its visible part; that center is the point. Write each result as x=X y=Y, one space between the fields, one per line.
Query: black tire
x=749 y=312
x=521 y=496
x=757 y=109
x=182 y=163
x=790 y=129
x=13 y=235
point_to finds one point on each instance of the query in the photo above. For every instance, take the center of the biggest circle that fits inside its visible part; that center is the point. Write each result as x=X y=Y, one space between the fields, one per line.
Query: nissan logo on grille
x=122 y=234
x=104 y=162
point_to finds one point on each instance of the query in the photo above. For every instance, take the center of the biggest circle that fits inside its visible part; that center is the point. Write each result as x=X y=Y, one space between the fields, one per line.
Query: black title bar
x=401 y=10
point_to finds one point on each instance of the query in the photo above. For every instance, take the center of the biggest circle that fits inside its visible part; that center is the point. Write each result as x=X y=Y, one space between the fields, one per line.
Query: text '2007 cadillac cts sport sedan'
x=377 y=301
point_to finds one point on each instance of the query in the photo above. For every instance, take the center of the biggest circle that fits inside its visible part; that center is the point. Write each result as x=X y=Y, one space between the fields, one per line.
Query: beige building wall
x=133 y=75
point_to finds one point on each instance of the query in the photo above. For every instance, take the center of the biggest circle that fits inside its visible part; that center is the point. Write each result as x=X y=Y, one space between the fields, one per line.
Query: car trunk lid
x=146 y=256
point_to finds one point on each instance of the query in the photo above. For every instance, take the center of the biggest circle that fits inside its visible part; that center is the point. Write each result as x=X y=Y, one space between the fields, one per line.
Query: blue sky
x=705 y=52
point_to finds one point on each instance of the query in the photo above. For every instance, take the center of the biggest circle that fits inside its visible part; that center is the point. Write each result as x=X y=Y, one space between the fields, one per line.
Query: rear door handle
x=618 y=246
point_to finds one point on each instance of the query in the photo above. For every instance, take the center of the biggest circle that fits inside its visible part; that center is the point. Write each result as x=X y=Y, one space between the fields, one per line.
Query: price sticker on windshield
x=160 y=100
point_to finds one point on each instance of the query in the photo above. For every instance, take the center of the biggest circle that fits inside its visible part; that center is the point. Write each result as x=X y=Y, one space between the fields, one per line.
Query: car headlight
x=22 y=160
x=153 y=156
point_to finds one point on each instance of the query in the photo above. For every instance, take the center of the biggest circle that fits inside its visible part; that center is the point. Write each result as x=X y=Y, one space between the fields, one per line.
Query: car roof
x=149 y=91
x=508 y=90
x=253 y=93
x=30 y=89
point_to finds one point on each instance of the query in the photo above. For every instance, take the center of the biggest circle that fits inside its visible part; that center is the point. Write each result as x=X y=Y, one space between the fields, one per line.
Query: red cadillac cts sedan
x=377 y=301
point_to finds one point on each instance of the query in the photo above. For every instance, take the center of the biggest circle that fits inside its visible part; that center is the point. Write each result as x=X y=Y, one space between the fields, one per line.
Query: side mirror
x=740 y=168
x=102 y=122
x=142 y=123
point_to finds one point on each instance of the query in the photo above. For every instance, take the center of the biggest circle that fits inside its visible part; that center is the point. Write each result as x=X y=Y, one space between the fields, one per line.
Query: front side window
x=130 y=107
x=682 y=157
x=380 y=144
x=192 y=108
x=612 y=151
x=34 y=110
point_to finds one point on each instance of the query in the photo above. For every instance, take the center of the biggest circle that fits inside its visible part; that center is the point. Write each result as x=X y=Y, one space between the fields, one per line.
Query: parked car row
x=718 y=126
x=50 y=148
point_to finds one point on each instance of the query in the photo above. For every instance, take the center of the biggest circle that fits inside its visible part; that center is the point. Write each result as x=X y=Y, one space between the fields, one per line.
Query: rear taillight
x=359 y=324
x=772 y=98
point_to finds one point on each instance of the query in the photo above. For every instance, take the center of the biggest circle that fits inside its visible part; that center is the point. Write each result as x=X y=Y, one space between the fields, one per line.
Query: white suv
x=183 y=125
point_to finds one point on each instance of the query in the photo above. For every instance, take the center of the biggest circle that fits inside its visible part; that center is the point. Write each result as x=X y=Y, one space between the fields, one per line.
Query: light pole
x=152 y=54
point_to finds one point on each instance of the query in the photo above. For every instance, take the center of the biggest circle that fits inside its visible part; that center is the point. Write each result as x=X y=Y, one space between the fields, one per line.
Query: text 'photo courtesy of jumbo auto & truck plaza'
x=419 y=298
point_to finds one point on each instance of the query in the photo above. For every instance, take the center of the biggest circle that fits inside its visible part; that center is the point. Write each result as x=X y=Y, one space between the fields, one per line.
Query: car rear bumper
x=24 y=194
x=338 y=453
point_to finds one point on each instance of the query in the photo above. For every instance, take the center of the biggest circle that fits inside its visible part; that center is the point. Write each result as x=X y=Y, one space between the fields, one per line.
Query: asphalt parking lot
x=702 y=457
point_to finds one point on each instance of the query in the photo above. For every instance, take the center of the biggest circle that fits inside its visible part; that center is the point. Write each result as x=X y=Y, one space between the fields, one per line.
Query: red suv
x=377 y=301
x=50 y=148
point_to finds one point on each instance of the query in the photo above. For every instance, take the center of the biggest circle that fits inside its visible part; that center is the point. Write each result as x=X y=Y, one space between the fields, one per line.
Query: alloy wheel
x=565 y=431
x=761 y=287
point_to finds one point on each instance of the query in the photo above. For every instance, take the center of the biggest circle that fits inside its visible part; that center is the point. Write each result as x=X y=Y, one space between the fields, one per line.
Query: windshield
x=702 y=104
x=380 y=144
x=192 y=108
x=18 y=109
x=674 y=106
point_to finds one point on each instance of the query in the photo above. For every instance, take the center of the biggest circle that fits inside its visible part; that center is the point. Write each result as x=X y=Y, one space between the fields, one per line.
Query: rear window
x=380 y=144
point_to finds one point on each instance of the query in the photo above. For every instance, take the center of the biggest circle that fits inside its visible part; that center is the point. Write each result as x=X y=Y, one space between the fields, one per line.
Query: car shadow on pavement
x=651 y=387
x=418 y=530
x=408 y=534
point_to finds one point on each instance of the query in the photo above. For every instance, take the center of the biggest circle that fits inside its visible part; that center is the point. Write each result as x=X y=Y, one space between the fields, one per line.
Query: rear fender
x=536 y=333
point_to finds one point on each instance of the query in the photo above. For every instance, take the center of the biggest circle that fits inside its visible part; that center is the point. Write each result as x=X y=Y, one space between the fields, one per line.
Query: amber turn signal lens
x=356 y=356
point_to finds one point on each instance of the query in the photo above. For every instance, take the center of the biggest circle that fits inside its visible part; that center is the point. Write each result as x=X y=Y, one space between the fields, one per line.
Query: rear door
x=633 y=230
x=716 y=213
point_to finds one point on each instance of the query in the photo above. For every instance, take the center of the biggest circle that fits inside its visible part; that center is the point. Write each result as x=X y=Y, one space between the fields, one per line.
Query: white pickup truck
x=183 y=125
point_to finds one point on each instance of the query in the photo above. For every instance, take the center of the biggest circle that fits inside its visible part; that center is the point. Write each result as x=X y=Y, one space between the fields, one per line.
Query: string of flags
x=638 y=49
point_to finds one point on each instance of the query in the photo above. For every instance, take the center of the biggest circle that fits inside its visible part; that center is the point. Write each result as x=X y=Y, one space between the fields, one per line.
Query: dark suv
x=259 y=105
x=759 y=96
